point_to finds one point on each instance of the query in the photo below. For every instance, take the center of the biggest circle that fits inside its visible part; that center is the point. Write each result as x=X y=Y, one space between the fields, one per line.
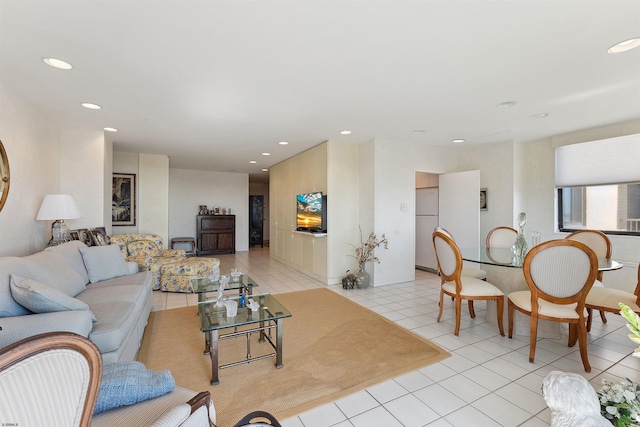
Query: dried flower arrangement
x=365 y=252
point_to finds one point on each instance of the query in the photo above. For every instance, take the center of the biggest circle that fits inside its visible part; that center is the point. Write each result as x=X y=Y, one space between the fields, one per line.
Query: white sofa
x=92 y=291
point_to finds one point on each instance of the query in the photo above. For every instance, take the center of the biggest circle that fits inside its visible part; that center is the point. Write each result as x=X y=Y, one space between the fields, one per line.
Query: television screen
x=309 y=211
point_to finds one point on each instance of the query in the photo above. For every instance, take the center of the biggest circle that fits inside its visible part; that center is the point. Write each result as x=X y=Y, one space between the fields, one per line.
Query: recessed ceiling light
x=345 y=132
x=91 y=106
x=625 y=45
x=265 y=170
x=57 y=63
x=111 y=129
x=539 y=115
x=506 y=104
x=253 y=162
x=266 y=154
x=283 y=143
x=458 y=141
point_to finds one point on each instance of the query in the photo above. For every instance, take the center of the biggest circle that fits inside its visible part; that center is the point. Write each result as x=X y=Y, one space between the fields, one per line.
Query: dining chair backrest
x=448 y=255
x=501 y=237
x=50 y=379
x=560 y=271
x=596 y=240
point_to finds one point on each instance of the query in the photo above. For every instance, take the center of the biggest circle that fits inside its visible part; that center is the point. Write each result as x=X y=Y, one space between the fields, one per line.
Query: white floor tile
x=485 y=371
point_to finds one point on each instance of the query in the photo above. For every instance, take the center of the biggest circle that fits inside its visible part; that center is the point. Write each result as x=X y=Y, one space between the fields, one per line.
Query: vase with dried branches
x=365 y=253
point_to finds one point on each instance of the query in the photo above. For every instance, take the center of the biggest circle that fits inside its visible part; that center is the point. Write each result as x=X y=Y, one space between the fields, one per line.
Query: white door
x=459 y=207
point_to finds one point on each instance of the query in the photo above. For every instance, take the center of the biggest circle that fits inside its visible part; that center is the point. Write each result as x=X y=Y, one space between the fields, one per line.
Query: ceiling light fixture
x=253 y=162
x=283 y=143
x=539 y=116
x=91 y=106
x=266 y=154
x=625 y=45
x=265 y=170
x=458 y=141
x=57 y=63
x=345 y=132
x=111 y=129
x=506 y=104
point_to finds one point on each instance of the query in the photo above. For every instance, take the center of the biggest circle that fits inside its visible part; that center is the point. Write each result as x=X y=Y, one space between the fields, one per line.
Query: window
x=598 y=185
x=613 y=209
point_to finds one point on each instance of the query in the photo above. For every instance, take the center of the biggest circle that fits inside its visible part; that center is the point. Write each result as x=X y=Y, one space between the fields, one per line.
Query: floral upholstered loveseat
x=172 y=270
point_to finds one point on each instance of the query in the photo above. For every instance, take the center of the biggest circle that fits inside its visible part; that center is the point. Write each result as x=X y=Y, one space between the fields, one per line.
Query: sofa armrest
x=133 y=267
x=13 y=329
x=174 y=253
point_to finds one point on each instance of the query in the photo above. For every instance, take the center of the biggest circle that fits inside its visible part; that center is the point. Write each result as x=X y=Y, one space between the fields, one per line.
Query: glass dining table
x=506 y=273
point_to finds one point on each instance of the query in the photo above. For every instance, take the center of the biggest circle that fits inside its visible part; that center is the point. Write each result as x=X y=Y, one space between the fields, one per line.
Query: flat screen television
x=311 y=212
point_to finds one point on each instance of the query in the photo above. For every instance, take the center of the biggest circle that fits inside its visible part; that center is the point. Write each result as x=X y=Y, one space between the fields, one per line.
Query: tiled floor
x=487 y=381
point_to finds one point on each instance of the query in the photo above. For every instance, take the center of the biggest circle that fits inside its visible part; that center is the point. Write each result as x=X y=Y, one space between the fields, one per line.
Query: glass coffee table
x=245 y=323
x=204 y=285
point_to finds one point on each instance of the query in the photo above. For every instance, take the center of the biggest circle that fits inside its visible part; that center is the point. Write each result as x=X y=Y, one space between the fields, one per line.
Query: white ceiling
x=213 y=84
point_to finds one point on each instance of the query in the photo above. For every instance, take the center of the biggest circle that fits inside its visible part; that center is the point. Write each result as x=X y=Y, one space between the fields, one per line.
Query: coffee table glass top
x=202 y=285
x=214 y=318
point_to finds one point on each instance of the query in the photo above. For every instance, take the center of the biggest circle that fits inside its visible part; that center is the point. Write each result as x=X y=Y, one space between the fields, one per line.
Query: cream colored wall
x=188 y=189
x=304 y=173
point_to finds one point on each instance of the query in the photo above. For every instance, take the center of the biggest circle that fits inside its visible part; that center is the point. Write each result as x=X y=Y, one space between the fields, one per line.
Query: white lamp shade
x=58 y=206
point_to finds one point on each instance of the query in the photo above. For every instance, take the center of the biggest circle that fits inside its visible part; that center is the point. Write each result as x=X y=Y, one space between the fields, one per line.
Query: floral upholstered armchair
x=148 y=252
x=172 y=270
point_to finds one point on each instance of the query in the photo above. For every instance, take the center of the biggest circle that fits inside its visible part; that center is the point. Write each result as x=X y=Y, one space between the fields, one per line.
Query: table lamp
x=57 y=208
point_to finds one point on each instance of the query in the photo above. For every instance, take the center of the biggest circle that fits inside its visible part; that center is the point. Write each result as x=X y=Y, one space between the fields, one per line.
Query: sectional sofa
x=91 y=291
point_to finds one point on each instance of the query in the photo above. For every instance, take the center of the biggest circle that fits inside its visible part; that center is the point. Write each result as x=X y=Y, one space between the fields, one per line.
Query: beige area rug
x=332 y=347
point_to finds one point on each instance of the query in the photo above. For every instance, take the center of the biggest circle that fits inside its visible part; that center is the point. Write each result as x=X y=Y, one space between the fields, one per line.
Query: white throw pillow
x=104 y=262
x=40 y=298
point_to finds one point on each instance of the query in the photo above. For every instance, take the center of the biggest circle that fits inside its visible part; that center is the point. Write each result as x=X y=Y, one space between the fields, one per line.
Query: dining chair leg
x=582 y=342
x=573 y=334
x=533 y=337
x=511 y=309
x=603 y=317
x=500 y=310
x=589 y=318
x=441 y=304
x=472 y=312
x=458 y=304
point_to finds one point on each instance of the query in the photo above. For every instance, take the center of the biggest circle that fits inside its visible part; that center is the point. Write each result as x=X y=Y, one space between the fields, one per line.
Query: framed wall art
x=483 y=200
x=123 y=205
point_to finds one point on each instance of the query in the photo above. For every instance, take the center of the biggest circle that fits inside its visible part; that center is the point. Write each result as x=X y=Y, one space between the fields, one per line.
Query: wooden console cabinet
x=216 y=234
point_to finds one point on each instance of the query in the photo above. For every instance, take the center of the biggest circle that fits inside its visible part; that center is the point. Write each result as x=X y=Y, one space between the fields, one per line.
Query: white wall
x=83 y=153
x=32 y=144
x=495 y=161
x=188 y=189
x=395 y=167
x=153 y=184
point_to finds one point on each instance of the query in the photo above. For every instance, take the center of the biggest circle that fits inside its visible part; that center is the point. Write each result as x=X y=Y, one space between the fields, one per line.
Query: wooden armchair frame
x=567 y=270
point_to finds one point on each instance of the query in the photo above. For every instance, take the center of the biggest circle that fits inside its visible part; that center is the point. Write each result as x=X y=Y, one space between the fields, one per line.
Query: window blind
x=607 y=161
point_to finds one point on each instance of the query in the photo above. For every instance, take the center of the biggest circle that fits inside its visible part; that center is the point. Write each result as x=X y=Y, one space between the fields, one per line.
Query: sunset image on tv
x=309 y=212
